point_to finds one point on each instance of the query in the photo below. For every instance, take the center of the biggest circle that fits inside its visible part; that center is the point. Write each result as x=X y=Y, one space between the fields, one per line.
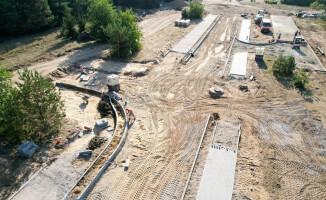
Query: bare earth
x=283 y=142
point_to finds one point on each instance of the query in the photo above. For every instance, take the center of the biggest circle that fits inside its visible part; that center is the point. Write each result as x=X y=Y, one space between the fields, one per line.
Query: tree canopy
x=301 y=2
x=119 y=29
x=33 y=106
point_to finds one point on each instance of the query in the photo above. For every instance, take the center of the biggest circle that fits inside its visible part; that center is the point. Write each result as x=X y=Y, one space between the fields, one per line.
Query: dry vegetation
x=39 y=47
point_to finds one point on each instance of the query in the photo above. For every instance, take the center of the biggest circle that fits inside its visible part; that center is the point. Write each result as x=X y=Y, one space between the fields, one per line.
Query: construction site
x=196 y=114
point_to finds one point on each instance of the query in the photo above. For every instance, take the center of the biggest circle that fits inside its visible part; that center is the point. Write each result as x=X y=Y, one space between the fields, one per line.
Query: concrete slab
x=284 y=25
x=245 y=30
x=186 y=43
x=218 y=176
x=239 y=64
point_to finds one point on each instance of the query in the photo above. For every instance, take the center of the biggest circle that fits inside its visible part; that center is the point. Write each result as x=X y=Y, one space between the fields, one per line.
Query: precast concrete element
x=245 y=30
x=186 y=43
x=218 y=176
x=239 y=64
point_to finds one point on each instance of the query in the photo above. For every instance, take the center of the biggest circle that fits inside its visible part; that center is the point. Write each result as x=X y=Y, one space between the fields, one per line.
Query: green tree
x=41 y=101
x=317 y=5
x=33 y=106
x=124 y=34
x=100 y=14
x=283 y=65
x=196 y=10
x=19 y=17
x=57 y=7
x=68 y=24
x=301 y=79
x=11 y=112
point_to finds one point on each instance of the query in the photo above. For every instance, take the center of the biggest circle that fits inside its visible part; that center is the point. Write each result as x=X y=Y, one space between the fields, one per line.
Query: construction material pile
x=104 y=108
x=96 y=142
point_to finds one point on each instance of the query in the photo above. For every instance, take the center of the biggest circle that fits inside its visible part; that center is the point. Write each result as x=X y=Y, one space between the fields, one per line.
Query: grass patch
x=26 y=50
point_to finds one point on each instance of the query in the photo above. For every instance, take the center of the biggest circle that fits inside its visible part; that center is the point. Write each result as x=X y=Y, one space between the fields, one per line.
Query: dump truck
x=265 y=25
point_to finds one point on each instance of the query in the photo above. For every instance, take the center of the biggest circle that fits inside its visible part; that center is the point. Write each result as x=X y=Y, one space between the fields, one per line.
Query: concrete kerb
x=93 y=92
x=195 y=159
x=89 y=188
x=257 y=44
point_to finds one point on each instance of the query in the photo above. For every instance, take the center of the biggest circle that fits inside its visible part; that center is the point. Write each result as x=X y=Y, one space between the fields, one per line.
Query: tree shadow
x=285 y=80
x=261 y=64
x=306 y=94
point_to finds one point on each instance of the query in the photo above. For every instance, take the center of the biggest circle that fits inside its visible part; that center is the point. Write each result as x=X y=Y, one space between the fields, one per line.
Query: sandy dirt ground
x=158 y=21
x=282 y=148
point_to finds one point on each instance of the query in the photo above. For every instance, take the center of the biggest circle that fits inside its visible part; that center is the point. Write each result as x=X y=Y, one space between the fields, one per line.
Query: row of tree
x=32 y=106
x=302 y=2
x=140 y=3
x=19 y=17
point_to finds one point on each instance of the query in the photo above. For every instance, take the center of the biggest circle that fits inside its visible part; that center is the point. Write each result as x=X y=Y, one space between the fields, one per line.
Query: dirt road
x=170 y=104
x=282 y=149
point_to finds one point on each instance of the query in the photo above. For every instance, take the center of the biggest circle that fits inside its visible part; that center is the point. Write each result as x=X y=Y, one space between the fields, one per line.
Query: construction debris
x=243 y=88
x=85 y=153
x=216 y=92
x=104 y=108
x=127 y=164
x=27 y=149
x=96 y=142
x=101 y=124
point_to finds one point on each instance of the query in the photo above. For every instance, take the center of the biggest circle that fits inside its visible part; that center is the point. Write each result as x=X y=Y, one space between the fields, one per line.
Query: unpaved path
x=83 y=54
x=170 y=103
x=155 y=22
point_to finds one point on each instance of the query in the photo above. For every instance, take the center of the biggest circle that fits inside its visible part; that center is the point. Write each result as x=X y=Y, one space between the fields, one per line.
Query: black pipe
x=321 y=51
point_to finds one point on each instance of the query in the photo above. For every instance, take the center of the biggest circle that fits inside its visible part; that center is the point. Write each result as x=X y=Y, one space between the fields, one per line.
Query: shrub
x=196 y=10
x=301 y=79
x=185 y=13
x=283 y=65
x=317 y=5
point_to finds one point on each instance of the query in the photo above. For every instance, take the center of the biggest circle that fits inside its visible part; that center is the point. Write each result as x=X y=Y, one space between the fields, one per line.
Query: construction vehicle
x=261 y=12
x=265 y=25
x=297 y=41
x=259 y=18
